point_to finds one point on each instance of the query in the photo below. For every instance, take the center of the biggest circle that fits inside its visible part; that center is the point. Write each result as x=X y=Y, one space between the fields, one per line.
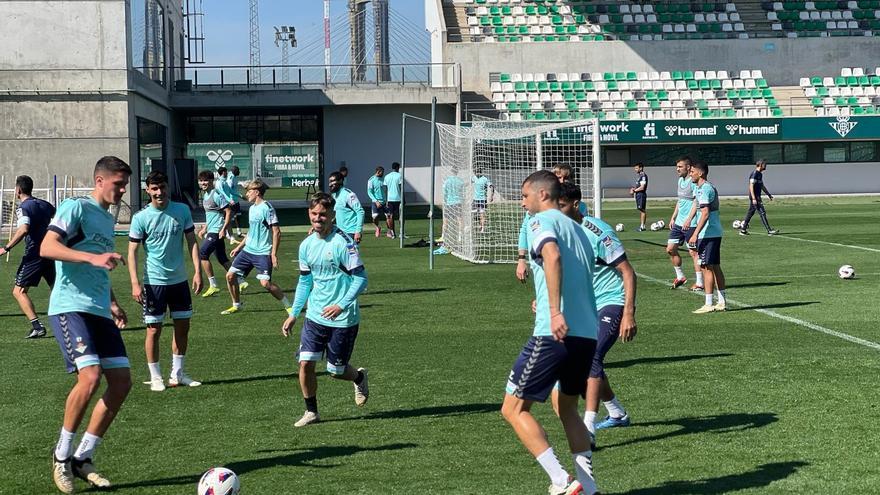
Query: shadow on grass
x=433 y=411
x=293 y=458
x=650 y=242
x=721 y=423
x=663 y=359
x=761 y=476
x=405 y=291
x=775 y=306
x=259 y=378
x=756 y=284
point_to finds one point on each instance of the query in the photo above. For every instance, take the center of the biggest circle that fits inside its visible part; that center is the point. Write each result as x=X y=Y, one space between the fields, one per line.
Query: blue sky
x=226 y=28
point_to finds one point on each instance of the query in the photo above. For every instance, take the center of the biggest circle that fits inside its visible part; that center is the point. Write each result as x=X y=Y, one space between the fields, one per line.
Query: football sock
x=155 y=370
x=615 y=408
x=65 y=444
x=551 y=466
x=699 y=275
x=312 y=404
x=213 y=282
x=583 y=466
x=722 y=297
x=176 y=364
x=35 y=323
x=87 y=446
x=708 y=299
x=236 y=304
x=679 y=273
x=590 y=421
x=360 y=378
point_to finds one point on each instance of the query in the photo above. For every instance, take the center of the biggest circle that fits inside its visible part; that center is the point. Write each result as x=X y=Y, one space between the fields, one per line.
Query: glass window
x=834 y=152
x=862 y=152
x=795 y=153
x=200 y=130
x=309 y=128
x=617 y=157
x=772 y=153
x=224 y=129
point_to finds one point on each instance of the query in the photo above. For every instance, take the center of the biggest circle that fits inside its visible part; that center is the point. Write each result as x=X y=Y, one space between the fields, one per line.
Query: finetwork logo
x=650 y=131
x=843 y=126
x=219 y=157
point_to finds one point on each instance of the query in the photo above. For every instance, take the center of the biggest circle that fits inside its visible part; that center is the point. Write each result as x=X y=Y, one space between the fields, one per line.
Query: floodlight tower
x=284 y=37
x=254 y=43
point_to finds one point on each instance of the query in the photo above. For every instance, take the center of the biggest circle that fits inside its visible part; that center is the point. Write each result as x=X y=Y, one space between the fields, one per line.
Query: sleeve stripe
x=191 y=228
x=133 y=239
x=539 y=240
x=58 y=230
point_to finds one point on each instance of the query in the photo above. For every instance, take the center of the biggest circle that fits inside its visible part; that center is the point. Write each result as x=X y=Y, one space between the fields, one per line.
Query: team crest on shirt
x=535 y=225
x=352 y=250
x=80 y=347
x=328 y=255
x=608 y=242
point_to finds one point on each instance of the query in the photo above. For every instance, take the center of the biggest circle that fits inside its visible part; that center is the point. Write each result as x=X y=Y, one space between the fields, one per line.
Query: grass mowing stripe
x=796 y=321
x=829 y=243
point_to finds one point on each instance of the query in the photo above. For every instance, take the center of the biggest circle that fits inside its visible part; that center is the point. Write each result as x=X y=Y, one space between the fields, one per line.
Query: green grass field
x=754 y=400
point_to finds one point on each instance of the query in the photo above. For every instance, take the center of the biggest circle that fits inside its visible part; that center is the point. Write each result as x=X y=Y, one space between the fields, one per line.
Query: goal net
x=482 y=167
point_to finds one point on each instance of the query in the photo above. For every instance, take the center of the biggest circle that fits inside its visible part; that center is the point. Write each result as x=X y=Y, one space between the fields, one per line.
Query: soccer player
x=349 y=212
x=377 y=198
x=706 y=238
x=614 y=285
x=453 y=197
x=86 y=319
x=34 y=216
x=682 y=224
x=484 y=192
x=222 y=185
x=756 y=185
x=394 y=184
x=331 y=276
x=640 y=192
x=232 y=188
x=563 y=172
x=258 y=249
x=218 y=214
x=161 y=227
x=564 y=338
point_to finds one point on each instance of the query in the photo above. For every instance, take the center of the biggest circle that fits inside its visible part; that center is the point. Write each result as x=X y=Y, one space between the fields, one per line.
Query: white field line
x=798 y=322
x=863 y=248
x=759 y=277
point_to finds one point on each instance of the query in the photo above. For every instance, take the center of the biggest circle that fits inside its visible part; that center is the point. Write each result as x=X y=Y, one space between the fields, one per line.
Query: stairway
x=456 y=21
x=792 y=101
x=754 y=19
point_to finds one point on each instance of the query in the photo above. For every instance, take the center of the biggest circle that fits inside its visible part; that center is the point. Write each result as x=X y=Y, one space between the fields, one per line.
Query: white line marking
x=759 y=277
x=802 y=323
x=829 y=243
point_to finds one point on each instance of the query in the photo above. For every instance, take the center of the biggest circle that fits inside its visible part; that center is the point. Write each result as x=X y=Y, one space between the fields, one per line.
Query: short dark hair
x=380 y=168
x=235 y=170
x=156 y=177
x=702 y=166
x=221 y=170
x=395 y=166
x=343 y=170
x=113 y=165
x=338 y=176
x=761 y=162
x=24 y=184
x=258 y=185
x=639 y=165
x=206 y=175
x=323 y=199
x=546 y=180
x=570 y=191
x=687 y=159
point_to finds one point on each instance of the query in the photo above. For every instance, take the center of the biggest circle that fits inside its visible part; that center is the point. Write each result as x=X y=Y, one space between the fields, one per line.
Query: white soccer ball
x=737 y=224
x=661 y=223
x=618 y=227
x=846 y=272
x=655 y=226
x=219 y=481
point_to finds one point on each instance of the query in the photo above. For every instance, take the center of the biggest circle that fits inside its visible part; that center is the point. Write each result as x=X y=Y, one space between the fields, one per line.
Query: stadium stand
x=632 y=95
x=839 y=18
x=855 y=91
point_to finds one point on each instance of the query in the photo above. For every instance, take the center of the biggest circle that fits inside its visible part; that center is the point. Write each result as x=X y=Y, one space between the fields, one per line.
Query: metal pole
x=597 y=171
x=402 y=177
x=55 y=191
x=433 y=168
x=539 y=152
x=2 y=202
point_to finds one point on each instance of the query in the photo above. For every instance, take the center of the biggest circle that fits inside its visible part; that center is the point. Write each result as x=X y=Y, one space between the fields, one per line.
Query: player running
x=377 y=198
x=258 y=249
x=640 y=192
x=331 y=276
x=394 y=185
x=564 y=338
x=349 y=212
x=756 y=185
x=218 y=213
x=161 y=227
x=232 y=188
x=86 y=319
x=223 y=185
x=484 y=192
x=33 y=216
x=682 y=224
x=706 y=238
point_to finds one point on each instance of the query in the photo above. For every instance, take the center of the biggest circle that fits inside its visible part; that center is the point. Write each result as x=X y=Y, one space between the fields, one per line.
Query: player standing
x=707 y=238
x=377 y=198
x=86 y=319
x=484 y=192
x=218 y=214
x=640 y=192
x=258 y=249
x=34 y=216
x=161 y=227
x=232 y=189
x=331 y=276
x=221 y=184
x=394 y=184
x=682 y=224
x=564 y=338
x=349 y=212
x=453 y=197
x=756 y=185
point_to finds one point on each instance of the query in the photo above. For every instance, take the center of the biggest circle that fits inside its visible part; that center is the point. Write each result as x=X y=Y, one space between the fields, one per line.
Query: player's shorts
x=641 y=200
x=544 y=361
x=609 y=331
x=244 y=262
x=214 y=244
x=479 y=205
x=89 y=340
x=30 y=271
x=679 y=235
x=235 y=206
x=393 y=208
x=175 y=298
x=709 y=250
x=338 y=343
x=376 y=210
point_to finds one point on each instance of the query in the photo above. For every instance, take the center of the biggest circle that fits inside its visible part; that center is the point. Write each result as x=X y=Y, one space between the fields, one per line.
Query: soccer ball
x=618 y=227
x=219 y=481
x=661 y=223
x=846 y=272
x=655 y=226
x=737 y=224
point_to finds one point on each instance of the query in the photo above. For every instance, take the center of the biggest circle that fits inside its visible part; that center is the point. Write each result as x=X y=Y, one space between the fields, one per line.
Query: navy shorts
x=244 y=262
x=175 y=298
x=213 y=244
x=709 y=249
x=544 y=361
x=31 y=271
x=641 y=201
x=479 y=205
x=393 y=208
x=679 y=236
x=236 y=208
x=376 y=210
x=89 y=340
x=609 y=331
x=338 y=343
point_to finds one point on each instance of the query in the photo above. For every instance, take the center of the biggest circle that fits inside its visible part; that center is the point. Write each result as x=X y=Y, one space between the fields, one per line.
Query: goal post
x=482 y=166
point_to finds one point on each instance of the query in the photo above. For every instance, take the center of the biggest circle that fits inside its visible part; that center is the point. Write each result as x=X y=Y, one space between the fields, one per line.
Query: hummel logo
x=606 y=319
x=843 y=125
x=219 y=157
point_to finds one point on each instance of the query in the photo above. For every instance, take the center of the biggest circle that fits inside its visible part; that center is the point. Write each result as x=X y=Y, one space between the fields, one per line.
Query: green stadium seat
x=777 y=112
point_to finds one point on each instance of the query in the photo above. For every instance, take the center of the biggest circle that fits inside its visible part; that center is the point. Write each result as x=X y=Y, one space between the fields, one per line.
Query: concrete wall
x=783 y=61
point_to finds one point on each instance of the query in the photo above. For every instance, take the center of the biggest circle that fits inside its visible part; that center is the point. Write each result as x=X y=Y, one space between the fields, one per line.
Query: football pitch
x=777 y=395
